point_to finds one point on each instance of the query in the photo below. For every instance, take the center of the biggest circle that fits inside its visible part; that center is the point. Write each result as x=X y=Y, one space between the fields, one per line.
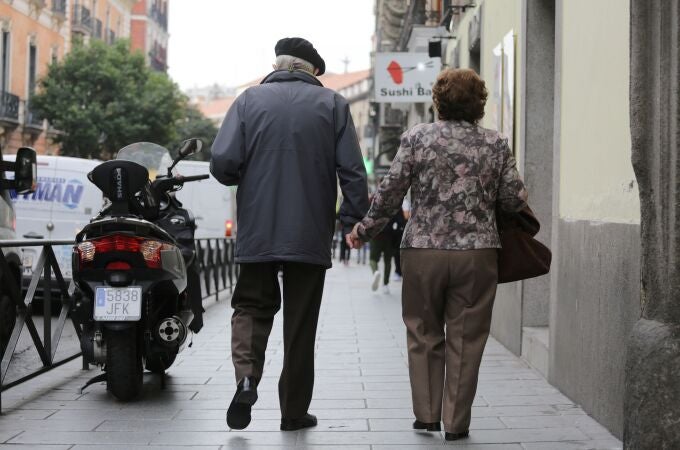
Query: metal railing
x=216 y=263
x=59 y=7
x=32 y=118
x=47 y=346
x=160 y=16
x=82 y=19
x=9 y=106
x=218 y=273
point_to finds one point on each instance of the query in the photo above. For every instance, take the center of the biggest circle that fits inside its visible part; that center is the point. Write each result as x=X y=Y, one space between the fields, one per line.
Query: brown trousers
x=447 y=300
x=256 y=300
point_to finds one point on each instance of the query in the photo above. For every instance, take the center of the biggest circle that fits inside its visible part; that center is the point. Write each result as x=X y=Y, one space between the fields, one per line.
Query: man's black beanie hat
x=303 y=49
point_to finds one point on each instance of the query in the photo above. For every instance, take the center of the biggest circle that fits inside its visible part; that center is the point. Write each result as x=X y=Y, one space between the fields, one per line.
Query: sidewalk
x=361 y=397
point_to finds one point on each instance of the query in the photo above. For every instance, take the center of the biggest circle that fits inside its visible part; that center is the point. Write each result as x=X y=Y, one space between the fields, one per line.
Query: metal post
x=47 y=306
x=215 y=271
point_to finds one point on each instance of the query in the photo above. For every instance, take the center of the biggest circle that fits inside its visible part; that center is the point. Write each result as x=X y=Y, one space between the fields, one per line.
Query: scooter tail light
x=151 y=251
x=117 y=243
x=86 y=251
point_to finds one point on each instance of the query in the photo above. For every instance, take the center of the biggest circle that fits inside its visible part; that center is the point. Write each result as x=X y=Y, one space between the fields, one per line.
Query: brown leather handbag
x=521 y=256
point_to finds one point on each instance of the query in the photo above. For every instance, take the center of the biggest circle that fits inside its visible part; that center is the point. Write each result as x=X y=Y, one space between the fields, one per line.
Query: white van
x=212 y=203
x=63 y=203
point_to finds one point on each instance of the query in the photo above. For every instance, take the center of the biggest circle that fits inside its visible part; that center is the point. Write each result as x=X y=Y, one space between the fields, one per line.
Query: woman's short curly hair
x=459 y=94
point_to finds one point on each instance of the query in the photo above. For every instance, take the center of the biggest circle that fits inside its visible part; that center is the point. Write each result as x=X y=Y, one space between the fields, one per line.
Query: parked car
x=16 y=176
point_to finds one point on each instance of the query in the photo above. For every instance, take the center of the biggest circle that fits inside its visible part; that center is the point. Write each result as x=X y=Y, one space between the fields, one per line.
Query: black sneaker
x=238 y=415
x=306 y=421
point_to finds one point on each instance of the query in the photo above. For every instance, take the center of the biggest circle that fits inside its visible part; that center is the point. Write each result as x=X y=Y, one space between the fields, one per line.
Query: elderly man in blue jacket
x=285 y=143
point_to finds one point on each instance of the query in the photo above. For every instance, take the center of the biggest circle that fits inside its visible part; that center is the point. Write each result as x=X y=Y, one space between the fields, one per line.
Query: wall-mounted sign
x=405 y=77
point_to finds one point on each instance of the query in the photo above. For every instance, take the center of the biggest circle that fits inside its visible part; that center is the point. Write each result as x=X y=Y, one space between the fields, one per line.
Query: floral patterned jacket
x=458 y=174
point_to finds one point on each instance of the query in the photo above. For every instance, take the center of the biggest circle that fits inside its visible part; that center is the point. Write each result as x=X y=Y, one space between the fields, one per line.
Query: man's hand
x=353 y=239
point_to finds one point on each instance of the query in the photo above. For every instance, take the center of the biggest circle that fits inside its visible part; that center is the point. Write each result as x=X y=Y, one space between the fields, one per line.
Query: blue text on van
x=58 y=190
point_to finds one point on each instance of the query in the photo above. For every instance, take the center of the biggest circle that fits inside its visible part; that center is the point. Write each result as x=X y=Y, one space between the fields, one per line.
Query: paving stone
x=142 y=447
x=220 y=425
x=26 y=414
x=115 y=414
x=85 y=437
x=82 y=424
x=524 y=400
x=228 y=438
x=525 y=435
x=7 y=435
x=371 y=438
x=488 y=423
x=457 y=446
x=611 y=444
x=35 y=447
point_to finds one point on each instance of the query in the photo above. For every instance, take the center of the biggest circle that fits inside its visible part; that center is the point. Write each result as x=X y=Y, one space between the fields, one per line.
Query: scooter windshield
x=155 y=158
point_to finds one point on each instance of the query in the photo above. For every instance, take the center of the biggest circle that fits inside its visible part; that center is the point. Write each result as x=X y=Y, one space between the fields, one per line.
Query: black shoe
x=456 y=436
x=238 y=415
x=429 y=426
x=306 y=421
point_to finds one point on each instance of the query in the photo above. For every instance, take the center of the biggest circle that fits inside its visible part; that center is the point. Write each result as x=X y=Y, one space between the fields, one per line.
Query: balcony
x=33 y=122
x=110 y=36
x=59 y=8
x=419 y=14
x=160 y=16
x=99 y=29
x=9 y=109
x=158 y=57
x=82 y=20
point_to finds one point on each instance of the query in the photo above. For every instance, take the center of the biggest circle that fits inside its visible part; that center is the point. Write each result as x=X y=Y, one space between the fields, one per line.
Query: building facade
x=105 y=20
x=149 y=32
x=34 y=33
x=558 y=83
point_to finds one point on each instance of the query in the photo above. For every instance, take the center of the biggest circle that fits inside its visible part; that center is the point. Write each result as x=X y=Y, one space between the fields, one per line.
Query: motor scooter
x=134 y=265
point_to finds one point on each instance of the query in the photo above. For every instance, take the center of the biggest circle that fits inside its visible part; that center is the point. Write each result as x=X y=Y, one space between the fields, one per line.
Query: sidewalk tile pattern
x=362 y=396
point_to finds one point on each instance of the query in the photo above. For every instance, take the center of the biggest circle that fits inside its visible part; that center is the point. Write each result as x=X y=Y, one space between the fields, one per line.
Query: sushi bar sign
x=405 y=77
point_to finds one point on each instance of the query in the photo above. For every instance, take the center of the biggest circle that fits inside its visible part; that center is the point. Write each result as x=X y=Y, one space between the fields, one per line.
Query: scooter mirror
x=190 y=147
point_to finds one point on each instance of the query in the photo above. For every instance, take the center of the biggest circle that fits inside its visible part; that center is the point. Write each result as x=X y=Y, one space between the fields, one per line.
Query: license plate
x=114 y=304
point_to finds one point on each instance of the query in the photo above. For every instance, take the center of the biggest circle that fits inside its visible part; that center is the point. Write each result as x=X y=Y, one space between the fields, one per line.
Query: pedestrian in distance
x=398 y=226
x=458 y=173
x=345 y=250
x=382 y=246
x=285 y=143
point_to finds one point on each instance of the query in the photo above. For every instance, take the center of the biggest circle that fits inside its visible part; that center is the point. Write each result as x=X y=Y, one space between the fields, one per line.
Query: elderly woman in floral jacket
x=458 y=174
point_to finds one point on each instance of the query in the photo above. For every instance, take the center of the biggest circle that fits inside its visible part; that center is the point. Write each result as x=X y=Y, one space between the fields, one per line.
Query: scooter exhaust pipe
x=171 y=331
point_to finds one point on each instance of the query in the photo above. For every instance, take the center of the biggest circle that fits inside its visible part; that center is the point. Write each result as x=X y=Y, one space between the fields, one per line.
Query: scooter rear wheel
x=124 y=371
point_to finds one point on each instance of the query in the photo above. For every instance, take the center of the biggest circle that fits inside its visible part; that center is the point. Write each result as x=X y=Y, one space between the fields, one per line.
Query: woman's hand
x=353 y=239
